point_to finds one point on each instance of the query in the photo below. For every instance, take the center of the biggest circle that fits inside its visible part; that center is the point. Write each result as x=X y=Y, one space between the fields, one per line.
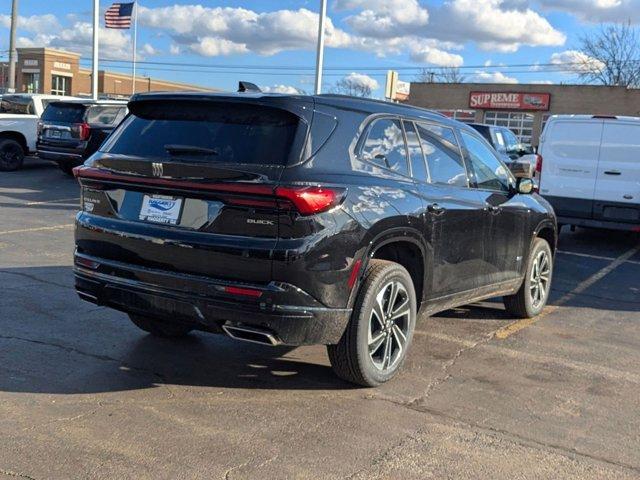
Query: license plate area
x=161 y=209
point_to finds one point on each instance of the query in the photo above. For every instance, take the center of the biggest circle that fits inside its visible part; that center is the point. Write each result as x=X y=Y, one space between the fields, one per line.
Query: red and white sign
x=510 y=100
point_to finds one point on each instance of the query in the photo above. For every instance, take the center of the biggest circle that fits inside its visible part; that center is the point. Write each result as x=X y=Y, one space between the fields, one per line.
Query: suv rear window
x=105 y=115
x=17 y=104
x=63 y=113
x=225 y=132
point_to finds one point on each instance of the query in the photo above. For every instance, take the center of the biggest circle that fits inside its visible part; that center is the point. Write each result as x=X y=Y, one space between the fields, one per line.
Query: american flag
x=118 y=15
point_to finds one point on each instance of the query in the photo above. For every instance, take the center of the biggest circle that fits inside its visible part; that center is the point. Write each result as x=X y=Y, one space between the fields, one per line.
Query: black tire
x=523 y=304
x=351 y=358
x=66 y=167
x=160 y=328
x=11 y=155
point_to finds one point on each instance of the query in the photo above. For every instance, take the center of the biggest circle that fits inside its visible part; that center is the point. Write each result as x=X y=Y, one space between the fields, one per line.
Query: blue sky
x=272 y=43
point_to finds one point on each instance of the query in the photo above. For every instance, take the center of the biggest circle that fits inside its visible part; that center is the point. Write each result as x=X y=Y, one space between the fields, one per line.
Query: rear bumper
x=293 y=316
x=58 y=156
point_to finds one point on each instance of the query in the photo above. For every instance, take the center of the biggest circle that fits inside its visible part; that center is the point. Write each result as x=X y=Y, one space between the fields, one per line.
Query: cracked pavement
x=84 y=394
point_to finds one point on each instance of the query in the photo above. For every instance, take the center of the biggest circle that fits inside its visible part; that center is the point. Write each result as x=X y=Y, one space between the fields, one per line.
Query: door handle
x=612 y=172
x=435 y=209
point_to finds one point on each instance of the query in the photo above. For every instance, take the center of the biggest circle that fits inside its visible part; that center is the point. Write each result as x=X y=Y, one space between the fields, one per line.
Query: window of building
x=465 y=116
x=518 y=122
x=489 y=172
x=385 y=146
x=32 y=82
x=443 y=155
x=60 y=85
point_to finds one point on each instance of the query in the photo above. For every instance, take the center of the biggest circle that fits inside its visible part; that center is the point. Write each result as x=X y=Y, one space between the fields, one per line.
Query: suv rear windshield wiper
x=174 y=149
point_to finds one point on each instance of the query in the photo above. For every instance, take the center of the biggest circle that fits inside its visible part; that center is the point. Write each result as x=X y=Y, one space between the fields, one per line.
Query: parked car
x=19 y=115
x=305 y=220
x=70 y=131
x=590 y=170
x=505 y=142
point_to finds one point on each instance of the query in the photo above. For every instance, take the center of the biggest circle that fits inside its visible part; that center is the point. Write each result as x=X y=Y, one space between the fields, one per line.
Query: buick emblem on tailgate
x=156 y=169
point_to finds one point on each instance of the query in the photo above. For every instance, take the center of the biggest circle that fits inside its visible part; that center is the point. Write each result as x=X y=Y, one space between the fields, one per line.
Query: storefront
x=58 y=72
x=522 y=108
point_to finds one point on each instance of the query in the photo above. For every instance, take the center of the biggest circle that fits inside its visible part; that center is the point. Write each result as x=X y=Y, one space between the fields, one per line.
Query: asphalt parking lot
x=84 y=394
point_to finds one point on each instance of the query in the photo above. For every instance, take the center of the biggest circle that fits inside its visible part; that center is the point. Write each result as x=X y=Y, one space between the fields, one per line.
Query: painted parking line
x=514 y=327
x=37 y=229
x=595 y=257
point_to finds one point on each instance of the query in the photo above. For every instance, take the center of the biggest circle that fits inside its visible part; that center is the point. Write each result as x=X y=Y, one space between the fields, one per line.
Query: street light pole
x=12 y=46
x=320 y=52
x=96 y=26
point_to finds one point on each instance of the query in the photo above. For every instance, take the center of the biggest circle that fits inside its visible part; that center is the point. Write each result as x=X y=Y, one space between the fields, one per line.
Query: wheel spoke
x=392 y=297
x=401 y=311
x=386 y=359
x=399 y=335
x=378 y=310
x=375 y=342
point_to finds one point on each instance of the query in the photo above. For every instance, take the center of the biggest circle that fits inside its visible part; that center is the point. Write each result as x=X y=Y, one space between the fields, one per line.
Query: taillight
x=81 y=130
x=243 y=292
x=538 y=172
x=311 y=200
x=539 y=163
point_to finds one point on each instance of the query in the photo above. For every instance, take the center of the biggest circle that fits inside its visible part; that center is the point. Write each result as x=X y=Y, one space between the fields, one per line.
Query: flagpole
x=135 y=41
x=320 y=51
x=96 y=27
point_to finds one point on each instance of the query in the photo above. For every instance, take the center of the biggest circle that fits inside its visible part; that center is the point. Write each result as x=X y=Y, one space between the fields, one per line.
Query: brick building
x=520 y=107
x=58 y=72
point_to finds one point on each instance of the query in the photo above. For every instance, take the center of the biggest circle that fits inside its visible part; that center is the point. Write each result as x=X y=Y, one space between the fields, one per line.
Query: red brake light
x=245 y=292
x=82 y=130
x=539 y=163
x=311 y=200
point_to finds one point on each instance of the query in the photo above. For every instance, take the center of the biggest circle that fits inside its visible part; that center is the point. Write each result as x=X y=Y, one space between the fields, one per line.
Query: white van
x=589 y=170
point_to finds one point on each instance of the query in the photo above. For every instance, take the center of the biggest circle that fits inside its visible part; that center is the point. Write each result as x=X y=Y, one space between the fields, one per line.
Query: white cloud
x=597 y=11
x=495 y=25
x=281 y=89
x=360 y=79
x=34 y=23
x=576 y=62
x=542 y=82
x=148 y=49
x=385 y=18
x=482 y=76
x=427 y=52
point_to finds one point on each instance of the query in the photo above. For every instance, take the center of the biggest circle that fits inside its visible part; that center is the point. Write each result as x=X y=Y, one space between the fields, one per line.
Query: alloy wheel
x=389 y=325
x=539 y=280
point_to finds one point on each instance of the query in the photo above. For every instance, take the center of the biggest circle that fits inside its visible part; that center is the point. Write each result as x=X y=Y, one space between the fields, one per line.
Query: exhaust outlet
x=252 y=334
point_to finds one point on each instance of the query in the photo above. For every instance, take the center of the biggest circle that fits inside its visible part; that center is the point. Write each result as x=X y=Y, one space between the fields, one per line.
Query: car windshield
x=221 y=132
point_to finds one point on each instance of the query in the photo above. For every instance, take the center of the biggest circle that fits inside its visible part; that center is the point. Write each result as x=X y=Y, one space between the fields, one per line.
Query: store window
x=519 y=123
x=60 y=85
x=465 y=116
x=32 y=82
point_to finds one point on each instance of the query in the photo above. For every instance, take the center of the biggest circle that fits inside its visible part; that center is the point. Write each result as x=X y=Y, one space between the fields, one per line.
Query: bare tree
x=441 y=75
x=611 y=56
x=353 y=87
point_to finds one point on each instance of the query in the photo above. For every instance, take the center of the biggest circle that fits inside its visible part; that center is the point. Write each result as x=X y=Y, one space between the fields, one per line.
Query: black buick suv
x=299 y=220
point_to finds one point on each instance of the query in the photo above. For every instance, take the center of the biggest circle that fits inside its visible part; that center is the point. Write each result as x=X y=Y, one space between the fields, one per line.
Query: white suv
x=590 y=170
x=19 y=115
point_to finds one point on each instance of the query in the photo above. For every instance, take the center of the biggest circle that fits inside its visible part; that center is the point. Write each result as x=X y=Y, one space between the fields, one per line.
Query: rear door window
x=220 y=132
x=418 y=166
x=385 y=146
x=17 y=104
x=63 y=113
x=441 y=150
x=105 y=115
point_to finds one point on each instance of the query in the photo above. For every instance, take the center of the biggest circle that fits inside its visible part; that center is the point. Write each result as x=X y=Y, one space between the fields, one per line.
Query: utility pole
x=13 y=55
x=320 y=52
x=96 y=26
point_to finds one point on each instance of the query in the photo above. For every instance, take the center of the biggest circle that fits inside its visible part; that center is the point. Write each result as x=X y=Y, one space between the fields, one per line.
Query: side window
x=385 y=146
x=511 y=140
x=418 y=166
x=443 y=155
x=490 y=173
x=500 y=143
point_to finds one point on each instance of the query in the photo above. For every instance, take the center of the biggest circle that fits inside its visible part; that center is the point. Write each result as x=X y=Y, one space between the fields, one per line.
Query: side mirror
x=521 y=168
x=525 y=186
